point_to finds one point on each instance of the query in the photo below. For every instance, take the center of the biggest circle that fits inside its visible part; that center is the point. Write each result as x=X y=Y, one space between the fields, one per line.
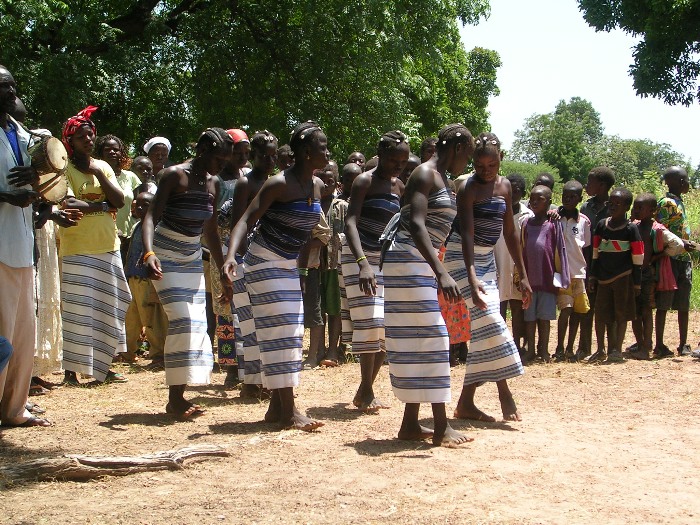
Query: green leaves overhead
x=173 y=67
x=666 y=63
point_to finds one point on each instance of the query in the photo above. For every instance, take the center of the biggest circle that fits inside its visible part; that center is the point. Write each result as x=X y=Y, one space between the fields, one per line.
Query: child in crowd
x=544 y=179
x=413 y=163
x=616 y=276
x=573 y=301
x=145 y=310
x=547 y=268
x=600 y=180
x=357 y=157
x=143 y=167
x=427 y=148
x=335 y=294
x=672 y=215
x=508 y=290
x=314 y=260
x=657 y=274
x=285 y=157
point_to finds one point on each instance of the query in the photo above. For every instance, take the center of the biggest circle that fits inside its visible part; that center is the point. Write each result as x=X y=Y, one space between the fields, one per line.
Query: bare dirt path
x=597 y=444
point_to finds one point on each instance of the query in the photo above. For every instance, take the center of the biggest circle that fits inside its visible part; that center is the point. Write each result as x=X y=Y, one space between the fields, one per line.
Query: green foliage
x=666 y=63
x=571 y=139
x=528 y=170
x=563 y=138
x=174 y=67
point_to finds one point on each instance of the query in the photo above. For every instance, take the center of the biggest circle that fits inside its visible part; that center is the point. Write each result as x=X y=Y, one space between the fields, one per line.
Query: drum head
x=56 y=154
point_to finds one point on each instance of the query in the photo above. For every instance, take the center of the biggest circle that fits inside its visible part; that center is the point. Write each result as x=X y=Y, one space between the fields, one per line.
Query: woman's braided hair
x=302 y=135
x=454 y=134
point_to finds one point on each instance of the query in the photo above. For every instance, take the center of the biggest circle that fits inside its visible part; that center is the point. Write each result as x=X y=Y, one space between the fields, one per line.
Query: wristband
x=364 y=257
x=105 y=207
x=147 y=255
x=303 y=271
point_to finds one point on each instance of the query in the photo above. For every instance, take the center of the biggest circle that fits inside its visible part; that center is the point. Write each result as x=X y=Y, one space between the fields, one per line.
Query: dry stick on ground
x=77 y=467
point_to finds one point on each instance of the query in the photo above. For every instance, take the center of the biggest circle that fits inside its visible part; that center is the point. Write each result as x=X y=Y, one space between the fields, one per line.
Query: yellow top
x=96 y=232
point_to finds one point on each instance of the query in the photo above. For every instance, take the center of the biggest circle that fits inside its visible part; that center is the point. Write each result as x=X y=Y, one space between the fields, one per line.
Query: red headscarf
x=238 y=135
x=72 y=124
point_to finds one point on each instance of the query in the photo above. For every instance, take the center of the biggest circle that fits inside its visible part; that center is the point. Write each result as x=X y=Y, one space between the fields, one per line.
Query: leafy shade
x=666 y=63
x=174 y=67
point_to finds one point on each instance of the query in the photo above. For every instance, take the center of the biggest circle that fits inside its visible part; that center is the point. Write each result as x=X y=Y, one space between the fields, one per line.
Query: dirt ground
x=597 y=444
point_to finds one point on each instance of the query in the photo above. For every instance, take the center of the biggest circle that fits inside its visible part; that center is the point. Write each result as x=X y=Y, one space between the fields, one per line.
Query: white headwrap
x=156 y=140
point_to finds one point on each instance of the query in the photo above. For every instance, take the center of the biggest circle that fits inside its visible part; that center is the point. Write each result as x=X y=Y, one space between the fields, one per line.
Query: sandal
x=37 y=390
x=192 y=412
x=48 y=385
x=34 y=408
x=114 y=377
x=31 y=422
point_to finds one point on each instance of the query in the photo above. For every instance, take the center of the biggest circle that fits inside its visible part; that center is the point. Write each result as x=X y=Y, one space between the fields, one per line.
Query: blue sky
x=549 y=53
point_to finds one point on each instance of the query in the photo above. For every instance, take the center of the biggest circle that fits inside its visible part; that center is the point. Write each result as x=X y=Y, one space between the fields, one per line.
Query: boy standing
x=672 y=215
x=616 y=275
x=145 y=309
x=547 y=269
x=600 y=180
x=313 y=267
x=657 y=275
x=509 y=293
x=573 y=301
x=336 y=221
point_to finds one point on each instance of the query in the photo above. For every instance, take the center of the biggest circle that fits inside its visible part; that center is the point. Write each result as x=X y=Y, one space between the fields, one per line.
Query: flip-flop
x=38 y=390
x=48 y=385
x=114 y=377
x=192 y=412
x=34 y=408
x=330 y=363
x=31 y=422
x=71 y=382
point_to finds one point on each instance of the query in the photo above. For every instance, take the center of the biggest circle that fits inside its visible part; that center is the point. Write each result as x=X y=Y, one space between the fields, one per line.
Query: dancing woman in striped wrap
x=184 y=204
x=484 y=208
x=286 y=209
x=374 y=200
x=416 y=337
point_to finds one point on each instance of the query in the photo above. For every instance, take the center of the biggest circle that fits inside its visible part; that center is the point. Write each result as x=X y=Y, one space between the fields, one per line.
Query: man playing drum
x=17 y=318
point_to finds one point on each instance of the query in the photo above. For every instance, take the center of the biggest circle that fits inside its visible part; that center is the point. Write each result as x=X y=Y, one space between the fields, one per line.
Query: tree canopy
x=563 y=139
x=666 y=61
x=571 y=139
x=174 y=67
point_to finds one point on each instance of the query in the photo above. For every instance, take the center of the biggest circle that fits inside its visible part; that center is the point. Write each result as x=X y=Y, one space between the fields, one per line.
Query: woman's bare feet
x=509 y=409
x=473 y=413
x=368 y=402
x=274 y=411
x=451 y=438
x=299 y=421
x=418 y=433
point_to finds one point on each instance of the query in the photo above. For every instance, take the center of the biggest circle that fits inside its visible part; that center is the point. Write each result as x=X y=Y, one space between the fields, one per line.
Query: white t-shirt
x=577 y=234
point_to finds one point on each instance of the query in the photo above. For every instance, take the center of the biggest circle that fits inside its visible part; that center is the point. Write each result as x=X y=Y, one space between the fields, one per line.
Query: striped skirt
x=492 y=354
x=252 y=367
x=188 y=352
x=278 y=310
x=365 y=326
x=418 y=346
x=95 y=298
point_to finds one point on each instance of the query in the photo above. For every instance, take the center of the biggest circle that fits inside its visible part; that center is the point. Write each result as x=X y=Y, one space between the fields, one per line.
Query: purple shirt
x=544 y=253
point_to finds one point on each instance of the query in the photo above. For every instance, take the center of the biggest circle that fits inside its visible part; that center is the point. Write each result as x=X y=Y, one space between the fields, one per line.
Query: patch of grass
x=695 y=292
